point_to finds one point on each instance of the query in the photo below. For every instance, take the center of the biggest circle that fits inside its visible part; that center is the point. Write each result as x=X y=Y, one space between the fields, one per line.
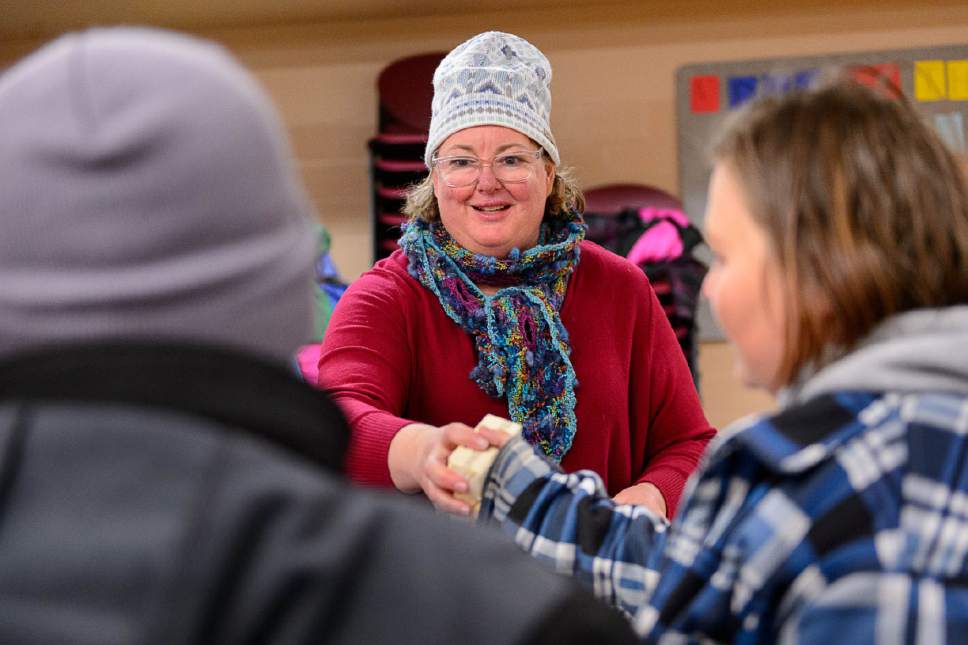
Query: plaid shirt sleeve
x=841 y=522
x=568 y=521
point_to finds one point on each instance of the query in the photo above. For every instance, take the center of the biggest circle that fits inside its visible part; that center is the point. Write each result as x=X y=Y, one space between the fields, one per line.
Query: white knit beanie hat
x=493 y=79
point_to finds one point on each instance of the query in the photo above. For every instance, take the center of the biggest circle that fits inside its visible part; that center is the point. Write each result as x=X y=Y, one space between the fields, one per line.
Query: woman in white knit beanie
x=496 y=304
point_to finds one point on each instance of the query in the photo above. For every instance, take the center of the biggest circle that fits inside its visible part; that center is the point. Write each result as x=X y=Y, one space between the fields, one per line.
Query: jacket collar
x=241 y=392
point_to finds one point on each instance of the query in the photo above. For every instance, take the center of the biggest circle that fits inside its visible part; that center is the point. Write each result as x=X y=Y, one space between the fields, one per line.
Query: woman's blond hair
x=865 y=209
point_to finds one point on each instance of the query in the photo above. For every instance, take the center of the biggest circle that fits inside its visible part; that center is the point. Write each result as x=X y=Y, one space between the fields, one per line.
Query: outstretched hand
x=418 y=461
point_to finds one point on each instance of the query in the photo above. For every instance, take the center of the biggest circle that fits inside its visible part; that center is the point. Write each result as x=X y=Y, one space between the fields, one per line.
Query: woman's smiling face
x=491 y=217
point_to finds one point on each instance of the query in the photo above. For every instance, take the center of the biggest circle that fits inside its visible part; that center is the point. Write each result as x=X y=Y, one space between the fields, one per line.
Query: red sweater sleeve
x=666 y=402
x=365 y=365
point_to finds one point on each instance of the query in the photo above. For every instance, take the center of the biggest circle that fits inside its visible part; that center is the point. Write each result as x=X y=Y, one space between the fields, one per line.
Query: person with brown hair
x=496 y=304
x=839 y=224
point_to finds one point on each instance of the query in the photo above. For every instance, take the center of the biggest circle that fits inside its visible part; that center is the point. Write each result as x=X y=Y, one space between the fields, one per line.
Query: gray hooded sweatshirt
x=925 y=350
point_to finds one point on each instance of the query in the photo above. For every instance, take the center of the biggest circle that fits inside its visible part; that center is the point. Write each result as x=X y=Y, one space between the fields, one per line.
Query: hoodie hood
x=925 y=350
x=148 y=192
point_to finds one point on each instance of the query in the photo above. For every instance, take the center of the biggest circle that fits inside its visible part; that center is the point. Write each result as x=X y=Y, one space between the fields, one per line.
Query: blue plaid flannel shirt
x=840 y=520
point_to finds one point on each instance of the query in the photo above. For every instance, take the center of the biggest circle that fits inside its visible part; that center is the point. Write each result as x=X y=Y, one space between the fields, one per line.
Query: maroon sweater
x=392 y=357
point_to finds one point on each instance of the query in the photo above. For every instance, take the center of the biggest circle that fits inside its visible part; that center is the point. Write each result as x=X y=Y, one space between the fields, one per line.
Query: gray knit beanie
x=493 y=79
x=147 y=191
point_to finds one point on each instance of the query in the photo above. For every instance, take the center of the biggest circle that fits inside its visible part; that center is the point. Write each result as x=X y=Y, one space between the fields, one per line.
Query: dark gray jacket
x=176 y=494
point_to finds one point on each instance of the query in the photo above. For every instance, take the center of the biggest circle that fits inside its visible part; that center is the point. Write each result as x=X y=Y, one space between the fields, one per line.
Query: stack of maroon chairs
x=405 y=89
x=647 y=225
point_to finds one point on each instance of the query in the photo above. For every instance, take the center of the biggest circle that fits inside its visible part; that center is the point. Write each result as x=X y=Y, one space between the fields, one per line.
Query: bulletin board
x=934 y=79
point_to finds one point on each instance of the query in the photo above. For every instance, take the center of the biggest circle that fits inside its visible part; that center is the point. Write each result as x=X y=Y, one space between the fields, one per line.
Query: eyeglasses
x=509 y=168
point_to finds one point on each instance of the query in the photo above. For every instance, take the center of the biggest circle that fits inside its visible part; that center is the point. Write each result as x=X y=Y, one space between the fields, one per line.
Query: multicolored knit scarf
x=522 y=345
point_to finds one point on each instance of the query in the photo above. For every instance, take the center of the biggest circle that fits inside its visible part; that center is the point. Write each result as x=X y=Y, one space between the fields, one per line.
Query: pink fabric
x=649 y=213
x=662 y=241
x=307 y=357
x=391 y=356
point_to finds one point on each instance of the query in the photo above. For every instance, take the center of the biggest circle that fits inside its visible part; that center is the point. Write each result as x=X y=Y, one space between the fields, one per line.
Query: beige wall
x=614 y=109
x=613 y=88
x=723 y=398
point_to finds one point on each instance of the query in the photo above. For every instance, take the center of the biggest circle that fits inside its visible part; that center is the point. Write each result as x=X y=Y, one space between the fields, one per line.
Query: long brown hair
x=865 y=208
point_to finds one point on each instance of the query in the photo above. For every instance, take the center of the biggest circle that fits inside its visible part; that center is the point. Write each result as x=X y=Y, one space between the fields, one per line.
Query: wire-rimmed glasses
x=459 y=171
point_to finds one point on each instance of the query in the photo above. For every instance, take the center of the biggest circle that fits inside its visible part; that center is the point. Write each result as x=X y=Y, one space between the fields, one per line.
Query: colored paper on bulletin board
x=744 y=88
x=774 y=83
x=741 y=89
x=958 y=80
x=951 y=128
x=929 y=80
x=704 y=94
x=804 y=78
x=885 y=77
x=934 y=79
x=771 y=84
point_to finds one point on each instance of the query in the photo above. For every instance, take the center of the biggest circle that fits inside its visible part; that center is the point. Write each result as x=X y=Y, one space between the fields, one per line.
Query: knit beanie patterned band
x=493 y=79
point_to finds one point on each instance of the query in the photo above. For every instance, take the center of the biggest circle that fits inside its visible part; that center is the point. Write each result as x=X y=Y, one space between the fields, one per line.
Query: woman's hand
x=644 y=494
x=418 y=461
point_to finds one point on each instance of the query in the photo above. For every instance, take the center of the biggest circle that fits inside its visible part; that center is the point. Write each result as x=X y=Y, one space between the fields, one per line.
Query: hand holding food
x=474 y=465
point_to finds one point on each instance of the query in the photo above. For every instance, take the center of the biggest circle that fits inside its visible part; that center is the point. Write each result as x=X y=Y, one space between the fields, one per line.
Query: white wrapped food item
x=474 y=465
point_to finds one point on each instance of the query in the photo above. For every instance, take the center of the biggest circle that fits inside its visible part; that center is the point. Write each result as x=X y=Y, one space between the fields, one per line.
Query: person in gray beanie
x=496 y=304
x=147 y=193
x=164 y=475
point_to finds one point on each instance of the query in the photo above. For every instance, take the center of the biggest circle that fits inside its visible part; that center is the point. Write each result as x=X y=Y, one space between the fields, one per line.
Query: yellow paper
x=929 y=80
x=958 y=80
